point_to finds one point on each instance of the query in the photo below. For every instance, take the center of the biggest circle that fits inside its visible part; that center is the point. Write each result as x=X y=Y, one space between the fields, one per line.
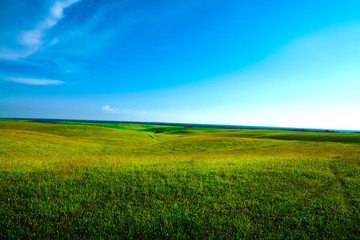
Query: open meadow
x=131 y=181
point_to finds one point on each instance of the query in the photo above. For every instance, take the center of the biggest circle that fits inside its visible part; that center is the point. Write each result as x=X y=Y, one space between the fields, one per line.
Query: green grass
x=134 y=181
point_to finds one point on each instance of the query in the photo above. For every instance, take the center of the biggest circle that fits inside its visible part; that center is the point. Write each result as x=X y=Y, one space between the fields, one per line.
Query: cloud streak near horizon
x=32 y=81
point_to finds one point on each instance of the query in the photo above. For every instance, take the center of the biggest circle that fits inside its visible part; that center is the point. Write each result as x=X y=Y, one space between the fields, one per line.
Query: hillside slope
x=61 y=180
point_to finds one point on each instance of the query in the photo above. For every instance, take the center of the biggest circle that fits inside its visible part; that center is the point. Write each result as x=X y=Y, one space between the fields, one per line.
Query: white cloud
x=107 y=108
x=122 y=111
x=33 y=81
x=32 y=39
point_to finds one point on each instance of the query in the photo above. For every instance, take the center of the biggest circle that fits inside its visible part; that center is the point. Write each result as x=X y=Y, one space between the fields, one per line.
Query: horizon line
x=204 y=125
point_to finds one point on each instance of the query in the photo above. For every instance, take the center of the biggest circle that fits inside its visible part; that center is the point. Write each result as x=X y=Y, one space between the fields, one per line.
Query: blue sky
x=250 y=62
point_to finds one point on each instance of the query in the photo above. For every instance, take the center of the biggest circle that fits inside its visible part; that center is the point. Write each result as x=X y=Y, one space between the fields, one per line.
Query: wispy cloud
x=33 y=81
x=31 y=40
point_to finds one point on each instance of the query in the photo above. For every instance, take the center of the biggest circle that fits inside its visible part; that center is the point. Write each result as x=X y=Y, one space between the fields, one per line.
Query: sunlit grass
x=136 y=181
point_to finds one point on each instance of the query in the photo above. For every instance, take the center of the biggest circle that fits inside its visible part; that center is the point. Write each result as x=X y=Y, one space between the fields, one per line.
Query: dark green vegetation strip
x=270 y=134
x=150 y=182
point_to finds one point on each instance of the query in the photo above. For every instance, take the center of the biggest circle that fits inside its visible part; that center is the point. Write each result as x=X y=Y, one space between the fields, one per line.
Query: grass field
x=132 y=181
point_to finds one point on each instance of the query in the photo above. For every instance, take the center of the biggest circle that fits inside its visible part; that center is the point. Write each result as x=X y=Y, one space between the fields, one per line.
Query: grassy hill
x=117 y=180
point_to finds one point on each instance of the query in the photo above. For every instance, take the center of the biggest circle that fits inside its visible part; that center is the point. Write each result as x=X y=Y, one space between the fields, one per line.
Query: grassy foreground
x=132 y=181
